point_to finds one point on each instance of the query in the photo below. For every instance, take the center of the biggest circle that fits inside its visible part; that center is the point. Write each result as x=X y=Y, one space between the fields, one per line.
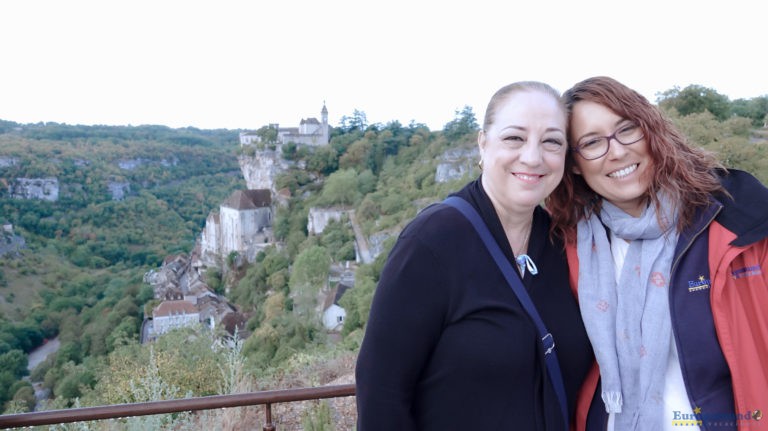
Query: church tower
x=324 y=119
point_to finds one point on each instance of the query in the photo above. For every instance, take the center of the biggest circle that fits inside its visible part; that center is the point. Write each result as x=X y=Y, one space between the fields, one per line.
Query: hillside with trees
x=79 y=276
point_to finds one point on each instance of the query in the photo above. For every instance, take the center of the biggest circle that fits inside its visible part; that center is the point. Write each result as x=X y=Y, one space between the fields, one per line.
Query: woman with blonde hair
x=451 y=343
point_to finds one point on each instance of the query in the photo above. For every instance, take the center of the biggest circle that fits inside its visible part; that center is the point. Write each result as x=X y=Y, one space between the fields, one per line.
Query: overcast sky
x=244 y=64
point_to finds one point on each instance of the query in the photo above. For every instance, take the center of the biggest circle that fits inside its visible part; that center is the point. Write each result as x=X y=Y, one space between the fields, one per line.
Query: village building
x=318 y=218
x=310 y=132
x=185 y=299
x=243 y=224
x=171 y=315
x=333 y=313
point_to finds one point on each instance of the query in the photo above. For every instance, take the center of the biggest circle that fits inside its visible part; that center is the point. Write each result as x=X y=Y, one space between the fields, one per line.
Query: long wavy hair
x=685 y=173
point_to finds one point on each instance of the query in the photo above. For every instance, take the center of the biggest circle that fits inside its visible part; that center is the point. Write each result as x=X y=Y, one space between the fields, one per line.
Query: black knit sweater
x=448 y=346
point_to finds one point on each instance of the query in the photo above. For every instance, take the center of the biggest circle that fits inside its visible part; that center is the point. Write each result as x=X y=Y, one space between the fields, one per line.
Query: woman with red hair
x=669 y=253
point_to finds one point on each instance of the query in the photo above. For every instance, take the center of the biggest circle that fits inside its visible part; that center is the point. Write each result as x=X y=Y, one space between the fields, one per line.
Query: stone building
x=310 y=132
x=171 y=315
x=318 y=218
x=185 y=299
x=243 y=224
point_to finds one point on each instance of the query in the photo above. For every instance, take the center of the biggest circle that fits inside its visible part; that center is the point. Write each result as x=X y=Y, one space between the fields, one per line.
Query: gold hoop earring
x=480 y=164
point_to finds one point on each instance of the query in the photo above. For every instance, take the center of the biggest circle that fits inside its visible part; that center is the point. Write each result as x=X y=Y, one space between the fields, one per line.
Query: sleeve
x=405 y=322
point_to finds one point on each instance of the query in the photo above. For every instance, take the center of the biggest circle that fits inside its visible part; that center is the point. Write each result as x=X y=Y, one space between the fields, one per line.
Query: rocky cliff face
x=261 y=169
x=118 y=189
x=8 y=161
x=454 y=164
x=11 y=244
x=131 y=164
x=46 y=189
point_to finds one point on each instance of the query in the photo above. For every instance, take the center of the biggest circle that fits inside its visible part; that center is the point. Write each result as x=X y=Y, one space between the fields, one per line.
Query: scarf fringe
x=613 y=401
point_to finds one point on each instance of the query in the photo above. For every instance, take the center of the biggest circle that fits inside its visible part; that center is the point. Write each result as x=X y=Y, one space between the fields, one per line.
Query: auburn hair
x=685 y=173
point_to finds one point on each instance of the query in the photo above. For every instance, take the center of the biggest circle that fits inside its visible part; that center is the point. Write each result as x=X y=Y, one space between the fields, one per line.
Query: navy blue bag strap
x=548 y=342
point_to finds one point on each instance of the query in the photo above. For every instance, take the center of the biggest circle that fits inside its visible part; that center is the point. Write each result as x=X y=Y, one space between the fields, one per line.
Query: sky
x=244 y=64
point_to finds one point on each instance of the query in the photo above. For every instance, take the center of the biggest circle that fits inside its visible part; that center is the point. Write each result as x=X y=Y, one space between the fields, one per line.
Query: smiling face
x=523 y=150
x=623 y=175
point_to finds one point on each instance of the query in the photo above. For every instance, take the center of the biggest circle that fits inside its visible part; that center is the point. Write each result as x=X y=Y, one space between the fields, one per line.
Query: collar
x=745 y=211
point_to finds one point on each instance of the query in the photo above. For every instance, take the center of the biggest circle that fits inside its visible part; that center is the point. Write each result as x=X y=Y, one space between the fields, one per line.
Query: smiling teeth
x=621 y=173
x=527 y=177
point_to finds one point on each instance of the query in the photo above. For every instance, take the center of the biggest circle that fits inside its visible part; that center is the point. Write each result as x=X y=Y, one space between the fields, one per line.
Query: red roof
x=172 y=308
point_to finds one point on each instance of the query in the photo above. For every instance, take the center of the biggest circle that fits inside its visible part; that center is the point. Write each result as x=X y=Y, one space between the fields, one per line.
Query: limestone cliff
x=455 y=164
x=46 y=189
x=261 y=169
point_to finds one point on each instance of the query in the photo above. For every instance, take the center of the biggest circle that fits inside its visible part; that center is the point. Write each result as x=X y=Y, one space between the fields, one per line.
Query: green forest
x=73 y=268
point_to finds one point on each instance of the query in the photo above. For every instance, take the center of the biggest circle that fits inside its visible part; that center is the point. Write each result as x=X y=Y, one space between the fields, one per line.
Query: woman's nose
x=531 y=153
x=615 y=149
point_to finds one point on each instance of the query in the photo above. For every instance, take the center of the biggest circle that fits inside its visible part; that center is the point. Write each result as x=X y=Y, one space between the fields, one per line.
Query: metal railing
x=265 y=398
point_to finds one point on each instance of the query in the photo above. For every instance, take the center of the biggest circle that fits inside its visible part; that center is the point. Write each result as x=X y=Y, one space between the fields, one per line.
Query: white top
x=676 y=403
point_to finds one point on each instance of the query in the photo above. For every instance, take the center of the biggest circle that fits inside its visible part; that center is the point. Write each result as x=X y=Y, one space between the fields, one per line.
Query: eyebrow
x=615 y=126
x=523 y=129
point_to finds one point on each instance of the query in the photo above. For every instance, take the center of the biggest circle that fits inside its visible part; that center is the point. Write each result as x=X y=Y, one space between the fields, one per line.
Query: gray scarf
x=629 y=323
